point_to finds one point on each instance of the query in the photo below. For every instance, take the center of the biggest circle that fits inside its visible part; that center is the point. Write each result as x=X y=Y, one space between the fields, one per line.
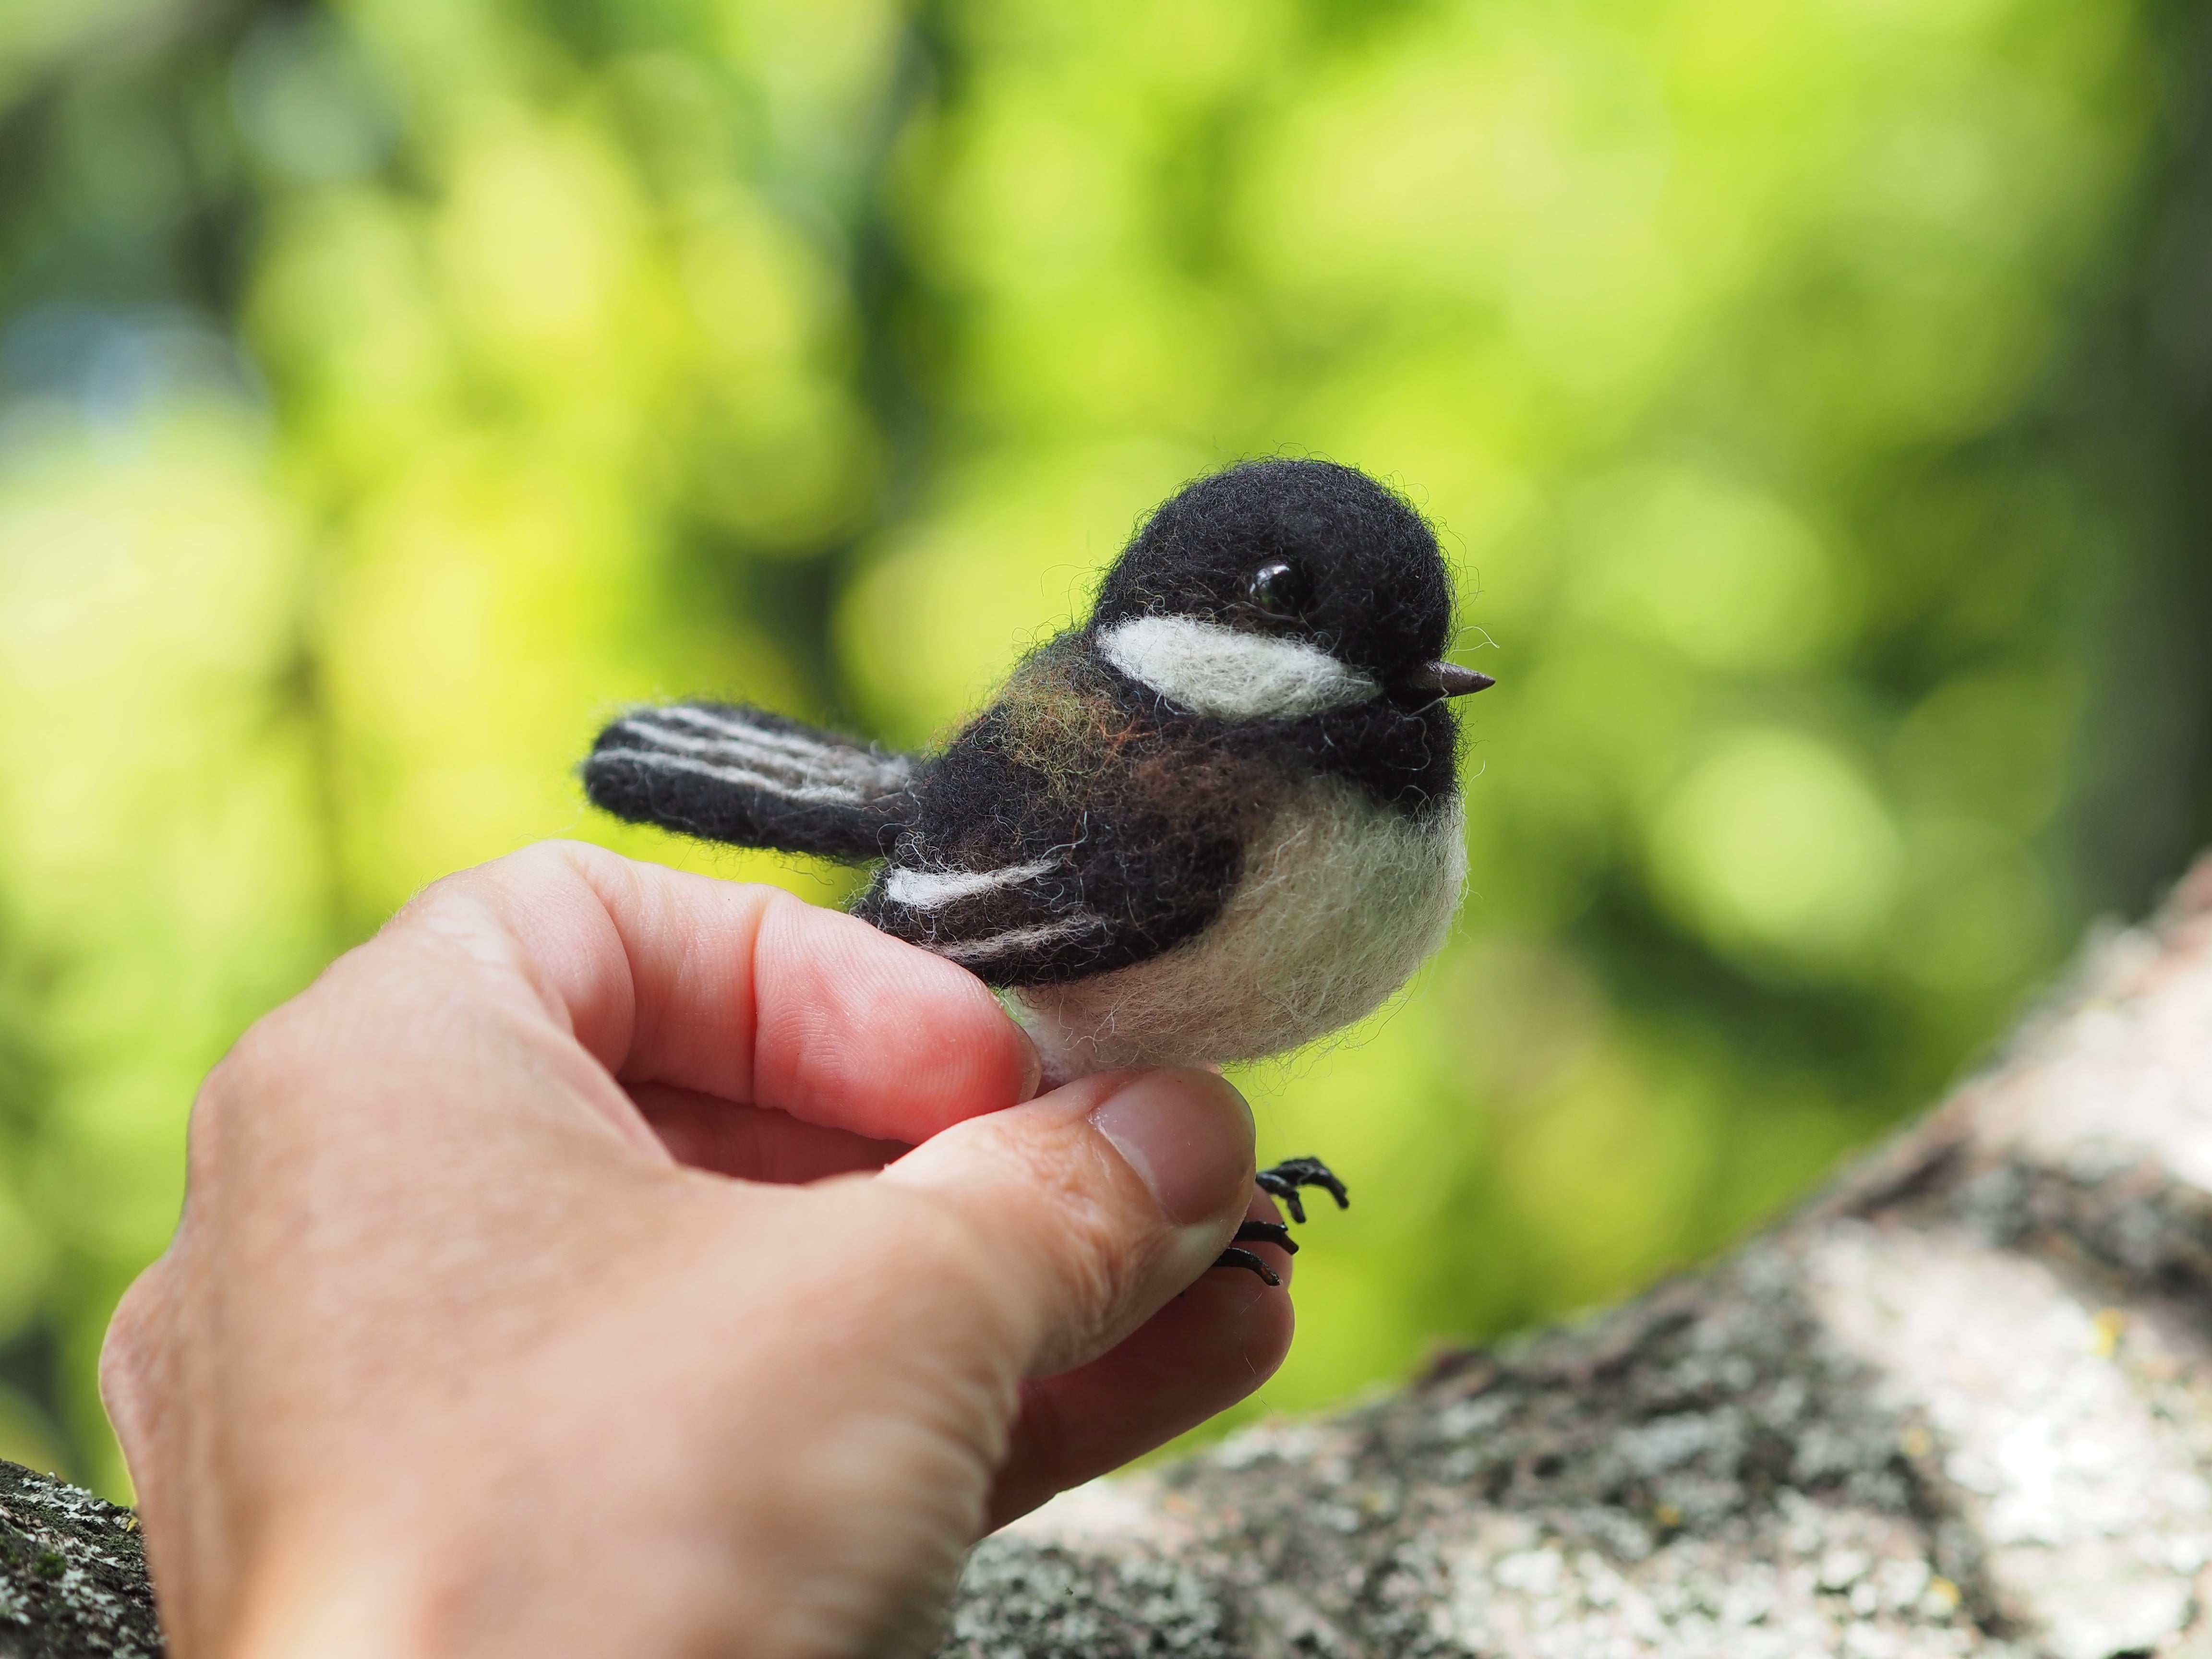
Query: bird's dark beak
x=1444 y=679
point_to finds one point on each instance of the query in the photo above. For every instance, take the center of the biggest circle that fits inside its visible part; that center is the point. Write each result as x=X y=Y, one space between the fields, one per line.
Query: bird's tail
x=727 y=773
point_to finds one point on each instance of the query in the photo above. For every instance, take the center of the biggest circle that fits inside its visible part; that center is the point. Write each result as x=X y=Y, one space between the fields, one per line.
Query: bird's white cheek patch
x=1227 y=675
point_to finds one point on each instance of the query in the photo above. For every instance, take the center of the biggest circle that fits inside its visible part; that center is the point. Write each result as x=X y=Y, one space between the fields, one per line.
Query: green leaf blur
x=389 y=390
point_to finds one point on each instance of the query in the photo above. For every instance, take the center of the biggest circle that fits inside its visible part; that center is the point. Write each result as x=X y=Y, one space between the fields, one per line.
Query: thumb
x=1097 y=1203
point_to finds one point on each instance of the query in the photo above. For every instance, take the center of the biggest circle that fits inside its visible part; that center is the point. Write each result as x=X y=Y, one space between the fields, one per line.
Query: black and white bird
x=1218 y=820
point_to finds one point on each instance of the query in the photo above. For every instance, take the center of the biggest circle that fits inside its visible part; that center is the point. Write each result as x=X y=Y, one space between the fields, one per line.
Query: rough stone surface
x=1961 y=1405
x=72 y=1574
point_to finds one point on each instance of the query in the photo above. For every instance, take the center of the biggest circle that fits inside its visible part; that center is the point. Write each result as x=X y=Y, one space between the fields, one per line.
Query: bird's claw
x=1233 y=1257
x=1268 y=1232
x=1284 y=1179
x=1282 y=1182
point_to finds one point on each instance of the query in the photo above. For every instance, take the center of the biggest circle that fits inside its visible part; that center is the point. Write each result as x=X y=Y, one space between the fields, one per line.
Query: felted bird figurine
x=1217 y=821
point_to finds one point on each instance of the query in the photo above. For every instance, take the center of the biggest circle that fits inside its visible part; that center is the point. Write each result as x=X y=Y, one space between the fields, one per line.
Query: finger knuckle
x=245 y=1075
x=133 y=1357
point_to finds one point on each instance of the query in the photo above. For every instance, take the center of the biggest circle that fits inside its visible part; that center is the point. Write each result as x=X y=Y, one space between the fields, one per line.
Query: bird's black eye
x=1281 y=589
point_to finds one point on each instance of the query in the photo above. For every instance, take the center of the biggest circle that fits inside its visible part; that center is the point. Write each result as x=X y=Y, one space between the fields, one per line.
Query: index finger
x=745 y=992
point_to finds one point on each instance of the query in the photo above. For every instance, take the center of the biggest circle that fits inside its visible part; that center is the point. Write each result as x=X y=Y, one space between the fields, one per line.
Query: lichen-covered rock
x=72 y=1574
x=1043 y=1604
x=1704 y=1473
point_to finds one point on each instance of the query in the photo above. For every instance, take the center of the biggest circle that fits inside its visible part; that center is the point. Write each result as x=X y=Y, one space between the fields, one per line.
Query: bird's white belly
x=1340 y=899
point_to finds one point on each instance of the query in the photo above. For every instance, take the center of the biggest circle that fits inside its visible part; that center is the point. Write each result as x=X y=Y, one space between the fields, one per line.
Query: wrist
x=331 y=1604
x=452 y=1601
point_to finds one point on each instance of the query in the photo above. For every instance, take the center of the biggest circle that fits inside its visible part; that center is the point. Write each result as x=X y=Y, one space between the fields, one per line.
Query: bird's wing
x=732 y=773
x=1027 y=884
x=1019 y=922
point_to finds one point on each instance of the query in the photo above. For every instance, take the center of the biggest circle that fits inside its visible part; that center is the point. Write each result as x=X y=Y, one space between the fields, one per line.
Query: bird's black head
x=1300 y=550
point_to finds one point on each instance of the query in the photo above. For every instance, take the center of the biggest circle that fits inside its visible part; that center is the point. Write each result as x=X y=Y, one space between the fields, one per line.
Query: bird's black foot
x=1264 y=1232
x=1233 y=1257
x=1292 y=1173
x=1283 y=1182
x=1268 y=1232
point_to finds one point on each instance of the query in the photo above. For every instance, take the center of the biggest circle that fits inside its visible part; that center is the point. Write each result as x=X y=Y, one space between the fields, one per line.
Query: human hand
x=540 y=1288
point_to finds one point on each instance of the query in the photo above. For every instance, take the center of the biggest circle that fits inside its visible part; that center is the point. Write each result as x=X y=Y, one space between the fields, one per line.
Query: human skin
x=555 y=1276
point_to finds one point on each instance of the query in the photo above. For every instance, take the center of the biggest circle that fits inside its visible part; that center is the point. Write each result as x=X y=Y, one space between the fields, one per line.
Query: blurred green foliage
x=390 y=389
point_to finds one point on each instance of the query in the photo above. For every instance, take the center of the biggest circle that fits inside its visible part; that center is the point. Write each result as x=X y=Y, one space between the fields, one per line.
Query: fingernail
x=1175 y=1129
x=1032 y=1056
x=1032 y=1068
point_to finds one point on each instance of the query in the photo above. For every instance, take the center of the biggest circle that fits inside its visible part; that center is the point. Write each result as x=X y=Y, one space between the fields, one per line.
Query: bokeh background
x=1811 y=393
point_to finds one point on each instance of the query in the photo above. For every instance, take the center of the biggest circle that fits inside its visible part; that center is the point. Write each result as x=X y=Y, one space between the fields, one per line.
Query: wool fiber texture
x=1231 y=674
x=724 y=772
x=1339 y=904
x=1218 y=820
x=1381 y=597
